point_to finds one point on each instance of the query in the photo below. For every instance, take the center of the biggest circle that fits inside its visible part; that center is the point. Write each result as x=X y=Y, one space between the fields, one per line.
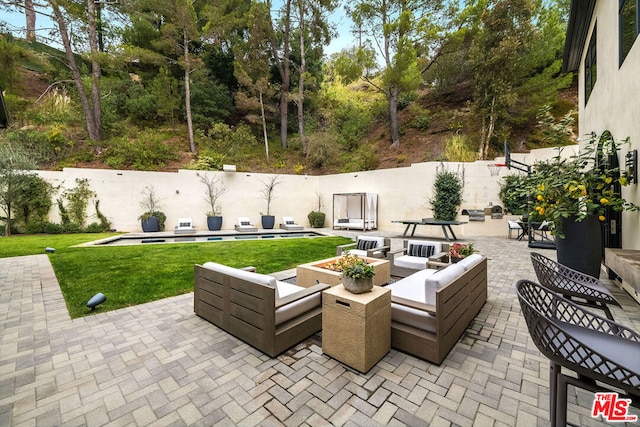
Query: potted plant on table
x=577 y=195
x=214 y=189
x=458 y=251
x=357 y=274
x=269 y=185
x=152 y=219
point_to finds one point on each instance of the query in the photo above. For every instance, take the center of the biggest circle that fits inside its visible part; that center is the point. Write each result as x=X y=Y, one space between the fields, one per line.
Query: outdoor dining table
x=446 y=226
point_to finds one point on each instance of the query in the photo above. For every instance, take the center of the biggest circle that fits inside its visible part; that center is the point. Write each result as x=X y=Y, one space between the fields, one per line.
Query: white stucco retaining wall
x=403 y=193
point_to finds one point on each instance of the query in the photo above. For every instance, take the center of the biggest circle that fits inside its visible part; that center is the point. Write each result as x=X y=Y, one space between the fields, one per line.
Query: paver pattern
x=160 y=364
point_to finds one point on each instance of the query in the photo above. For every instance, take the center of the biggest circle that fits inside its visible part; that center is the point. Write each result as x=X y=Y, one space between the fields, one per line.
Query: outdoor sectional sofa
x=266 y=313
x=431 y=309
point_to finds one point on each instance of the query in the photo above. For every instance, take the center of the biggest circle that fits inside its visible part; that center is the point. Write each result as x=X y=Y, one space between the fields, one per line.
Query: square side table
x=356 y=328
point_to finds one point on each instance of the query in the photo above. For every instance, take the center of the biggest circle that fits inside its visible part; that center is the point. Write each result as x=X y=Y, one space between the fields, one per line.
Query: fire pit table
x=307 y=274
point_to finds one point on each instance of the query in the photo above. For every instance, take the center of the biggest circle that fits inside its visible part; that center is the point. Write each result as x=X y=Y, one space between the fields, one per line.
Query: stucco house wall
x=614 y=104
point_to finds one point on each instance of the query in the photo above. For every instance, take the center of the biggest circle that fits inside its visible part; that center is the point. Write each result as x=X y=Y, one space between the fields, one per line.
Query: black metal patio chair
x=600 y=352
x=578 y=287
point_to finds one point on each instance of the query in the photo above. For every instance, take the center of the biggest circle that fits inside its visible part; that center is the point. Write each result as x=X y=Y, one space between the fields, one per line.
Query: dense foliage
x=224 y=80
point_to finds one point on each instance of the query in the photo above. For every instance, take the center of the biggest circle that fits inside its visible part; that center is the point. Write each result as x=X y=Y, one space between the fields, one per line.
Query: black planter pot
x=150 y=225
x=214 y=223
x=581 y=247
x=268 y=221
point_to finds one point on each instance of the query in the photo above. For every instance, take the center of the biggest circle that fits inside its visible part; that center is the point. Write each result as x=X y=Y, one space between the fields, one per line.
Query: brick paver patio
x=159 y=364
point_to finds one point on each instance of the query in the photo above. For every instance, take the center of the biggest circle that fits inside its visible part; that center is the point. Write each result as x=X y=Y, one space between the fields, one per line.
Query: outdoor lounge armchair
x=289 y=224
x=573 y=284
x=601 y=352
x=415 y=255
x=244 y=225
x=366 y=246
x=266 y=313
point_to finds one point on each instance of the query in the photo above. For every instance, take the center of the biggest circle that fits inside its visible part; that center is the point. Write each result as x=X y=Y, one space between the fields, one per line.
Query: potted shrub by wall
x=269 y=185
x=575 y=194
x=316 y=218
x=214 y=188
x=357 y=274
x=152 y=219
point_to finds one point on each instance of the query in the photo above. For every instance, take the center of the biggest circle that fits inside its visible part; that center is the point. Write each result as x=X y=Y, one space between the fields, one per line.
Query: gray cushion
x=296 y=308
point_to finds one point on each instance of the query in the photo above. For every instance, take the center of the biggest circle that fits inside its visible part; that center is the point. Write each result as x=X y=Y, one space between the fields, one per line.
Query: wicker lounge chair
x=573 y=284
x=601 y=352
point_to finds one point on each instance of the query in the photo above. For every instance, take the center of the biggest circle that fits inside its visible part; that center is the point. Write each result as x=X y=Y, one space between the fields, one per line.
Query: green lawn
x=131 y=275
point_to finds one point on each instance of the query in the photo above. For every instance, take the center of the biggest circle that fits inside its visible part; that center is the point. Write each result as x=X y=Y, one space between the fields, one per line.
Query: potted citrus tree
x=576 y=194
x=214 y=188
x=357 y=274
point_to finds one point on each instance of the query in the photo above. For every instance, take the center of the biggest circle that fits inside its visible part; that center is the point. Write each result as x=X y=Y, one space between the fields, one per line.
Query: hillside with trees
x=162 y=85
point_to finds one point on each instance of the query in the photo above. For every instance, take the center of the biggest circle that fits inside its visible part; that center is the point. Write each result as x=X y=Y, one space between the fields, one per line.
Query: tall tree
x=179 y=29
x=281 y=52
x=313 y=29
x=30 y=17
x=391 y=26
x=64 y=13
x=505 y=36
x=516 y=56
x=251 y=69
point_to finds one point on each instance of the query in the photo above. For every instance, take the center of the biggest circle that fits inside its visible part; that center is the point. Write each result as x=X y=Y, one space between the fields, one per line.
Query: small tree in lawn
x=447 y=195
x=15 y=165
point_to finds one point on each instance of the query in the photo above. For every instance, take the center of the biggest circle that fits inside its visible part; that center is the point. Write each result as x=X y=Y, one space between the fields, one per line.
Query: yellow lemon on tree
x=604 y=201
x=540 y=197
x=601 y=218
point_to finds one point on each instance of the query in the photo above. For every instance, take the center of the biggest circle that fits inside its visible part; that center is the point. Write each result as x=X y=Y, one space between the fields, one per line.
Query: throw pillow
x=423 y=251
x=365 y=244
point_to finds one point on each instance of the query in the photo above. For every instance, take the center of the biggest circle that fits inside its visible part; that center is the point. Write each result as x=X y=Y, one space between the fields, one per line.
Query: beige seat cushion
x=296 y=308
x=412 y=288
x=410 y=316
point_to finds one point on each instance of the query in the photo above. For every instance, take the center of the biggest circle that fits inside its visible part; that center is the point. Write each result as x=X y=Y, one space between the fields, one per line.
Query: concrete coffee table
x=307 y=274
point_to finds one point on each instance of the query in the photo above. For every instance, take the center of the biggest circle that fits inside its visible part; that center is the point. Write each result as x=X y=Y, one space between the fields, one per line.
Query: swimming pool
x=138 y=239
